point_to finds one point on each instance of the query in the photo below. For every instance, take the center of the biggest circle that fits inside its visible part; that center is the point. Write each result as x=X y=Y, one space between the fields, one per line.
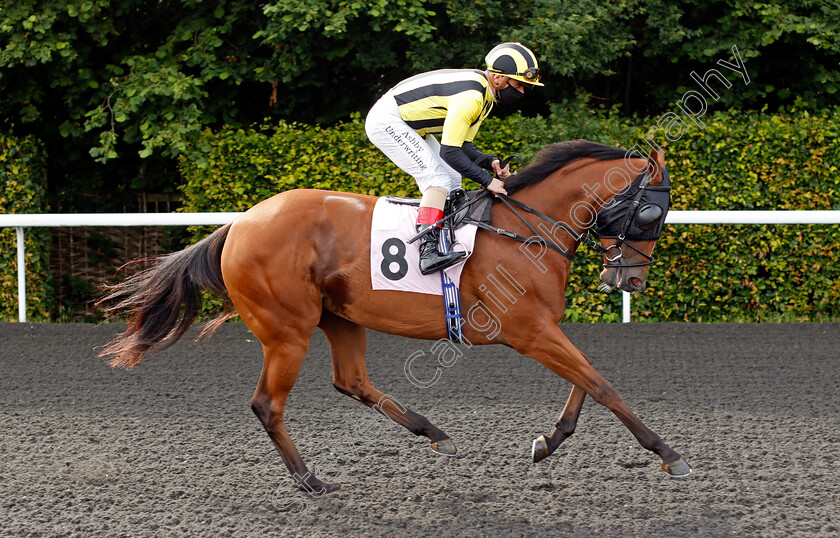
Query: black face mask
x=508 y=96
x=649 y=218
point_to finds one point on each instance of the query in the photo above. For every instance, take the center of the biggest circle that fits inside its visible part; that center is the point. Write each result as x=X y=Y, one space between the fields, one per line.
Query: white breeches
x=415 y=155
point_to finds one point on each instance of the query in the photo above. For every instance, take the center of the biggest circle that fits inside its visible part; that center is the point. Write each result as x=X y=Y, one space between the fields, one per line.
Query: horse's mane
x=555 y=156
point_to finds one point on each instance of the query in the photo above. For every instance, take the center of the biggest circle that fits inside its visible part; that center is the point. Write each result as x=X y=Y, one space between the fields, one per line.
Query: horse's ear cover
x=649 y=220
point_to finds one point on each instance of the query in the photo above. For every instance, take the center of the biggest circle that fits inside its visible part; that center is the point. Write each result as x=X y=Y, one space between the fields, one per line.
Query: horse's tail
x=163 y=300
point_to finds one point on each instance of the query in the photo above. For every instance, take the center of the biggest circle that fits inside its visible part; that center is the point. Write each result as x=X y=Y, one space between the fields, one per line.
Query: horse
x=301 y=260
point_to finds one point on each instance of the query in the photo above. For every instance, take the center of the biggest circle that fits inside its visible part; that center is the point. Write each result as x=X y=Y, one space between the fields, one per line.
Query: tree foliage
x=121 y=81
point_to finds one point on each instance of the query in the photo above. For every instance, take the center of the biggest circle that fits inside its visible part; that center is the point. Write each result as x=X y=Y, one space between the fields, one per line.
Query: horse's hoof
x=444 y=447
x=539 y=450
x=318 y=488
x=677 y=469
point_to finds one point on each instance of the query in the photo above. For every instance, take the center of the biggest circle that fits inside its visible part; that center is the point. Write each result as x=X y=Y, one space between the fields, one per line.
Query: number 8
x=389 y=258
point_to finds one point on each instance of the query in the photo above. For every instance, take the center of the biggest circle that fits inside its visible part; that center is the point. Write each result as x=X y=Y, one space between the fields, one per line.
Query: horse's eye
x=648 y=216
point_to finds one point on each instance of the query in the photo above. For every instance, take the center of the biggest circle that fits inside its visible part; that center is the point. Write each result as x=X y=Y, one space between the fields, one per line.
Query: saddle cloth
x=394 y=263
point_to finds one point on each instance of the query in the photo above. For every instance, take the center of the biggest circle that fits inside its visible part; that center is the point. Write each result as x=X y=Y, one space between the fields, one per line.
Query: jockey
x=450 y=103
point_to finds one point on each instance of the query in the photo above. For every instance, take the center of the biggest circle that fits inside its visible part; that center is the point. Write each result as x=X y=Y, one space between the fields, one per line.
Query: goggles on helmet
x=514 y=60
x=532 y=74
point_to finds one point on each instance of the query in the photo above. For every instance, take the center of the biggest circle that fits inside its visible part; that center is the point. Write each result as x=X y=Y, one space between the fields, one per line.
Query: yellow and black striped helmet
x=514 y=60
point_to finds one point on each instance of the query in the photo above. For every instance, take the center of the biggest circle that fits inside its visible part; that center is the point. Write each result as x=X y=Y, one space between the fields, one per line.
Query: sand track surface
x=172 y=448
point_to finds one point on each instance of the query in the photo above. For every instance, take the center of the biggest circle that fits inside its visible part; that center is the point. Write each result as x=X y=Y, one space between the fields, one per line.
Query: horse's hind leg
x=281 y=367
x=544 y=446
x=284 y=332
x=347 y=345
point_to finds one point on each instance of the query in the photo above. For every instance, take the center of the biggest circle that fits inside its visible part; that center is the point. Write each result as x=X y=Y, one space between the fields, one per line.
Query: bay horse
x=301 y=260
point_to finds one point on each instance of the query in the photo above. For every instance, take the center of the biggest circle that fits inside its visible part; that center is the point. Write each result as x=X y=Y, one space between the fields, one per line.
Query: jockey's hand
x=501 y=173
x=496 y=186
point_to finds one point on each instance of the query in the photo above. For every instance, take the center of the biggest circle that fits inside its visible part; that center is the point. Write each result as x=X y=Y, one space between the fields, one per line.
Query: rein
x=586 y=238
x=589 y=237
x=509 y=201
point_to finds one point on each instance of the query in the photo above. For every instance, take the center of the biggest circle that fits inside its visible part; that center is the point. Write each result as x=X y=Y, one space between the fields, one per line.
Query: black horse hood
x=638 y=212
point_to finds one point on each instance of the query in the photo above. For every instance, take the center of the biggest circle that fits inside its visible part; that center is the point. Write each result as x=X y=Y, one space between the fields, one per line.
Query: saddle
x=462 y=207
x=458 y=203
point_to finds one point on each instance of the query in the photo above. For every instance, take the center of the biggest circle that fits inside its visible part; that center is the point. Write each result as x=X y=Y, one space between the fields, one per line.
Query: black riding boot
x=430 y=259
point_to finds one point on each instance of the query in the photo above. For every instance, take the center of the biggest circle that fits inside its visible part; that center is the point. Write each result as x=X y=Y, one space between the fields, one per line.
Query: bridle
x=631 y=216
x=654 y=218
x=590 y=237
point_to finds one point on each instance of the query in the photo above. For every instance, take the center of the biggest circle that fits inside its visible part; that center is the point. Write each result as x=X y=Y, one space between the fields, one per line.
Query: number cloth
x=394 y=264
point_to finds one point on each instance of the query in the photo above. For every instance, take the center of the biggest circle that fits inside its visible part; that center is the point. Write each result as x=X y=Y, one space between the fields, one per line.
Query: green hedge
x=746 y=161
x=741 y=160
x=241 y=167
x=23 y=190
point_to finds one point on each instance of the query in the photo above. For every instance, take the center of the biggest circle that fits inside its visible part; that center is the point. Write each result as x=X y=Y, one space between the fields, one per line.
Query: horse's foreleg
x=557 y=353
x=347 y=346
x=544 y=446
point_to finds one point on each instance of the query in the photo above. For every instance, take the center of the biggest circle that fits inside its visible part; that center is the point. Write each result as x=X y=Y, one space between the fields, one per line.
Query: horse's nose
x=636 y=284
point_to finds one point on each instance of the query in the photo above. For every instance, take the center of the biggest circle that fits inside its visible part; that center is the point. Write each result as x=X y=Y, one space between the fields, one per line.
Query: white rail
x=59 y=220
x=21 y=221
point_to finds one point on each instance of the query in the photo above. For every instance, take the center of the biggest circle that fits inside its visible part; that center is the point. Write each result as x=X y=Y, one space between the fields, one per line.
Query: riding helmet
x=514 y=60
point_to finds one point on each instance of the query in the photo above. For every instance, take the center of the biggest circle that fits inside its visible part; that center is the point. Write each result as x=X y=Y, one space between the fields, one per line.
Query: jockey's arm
x=488 y=161
x=483 y=160
x=456 y=147
x=463 y=163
